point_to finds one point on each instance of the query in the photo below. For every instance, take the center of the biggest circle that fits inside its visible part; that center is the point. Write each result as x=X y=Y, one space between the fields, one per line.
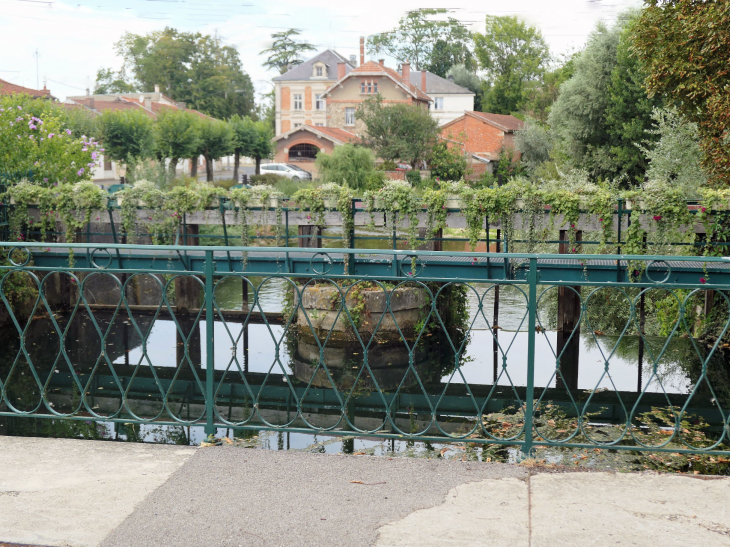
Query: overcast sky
x=75 y=39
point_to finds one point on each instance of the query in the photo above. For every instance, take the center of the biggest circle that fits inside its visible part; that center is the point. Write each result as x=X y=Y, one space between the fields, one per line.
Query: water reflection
x=265 y=358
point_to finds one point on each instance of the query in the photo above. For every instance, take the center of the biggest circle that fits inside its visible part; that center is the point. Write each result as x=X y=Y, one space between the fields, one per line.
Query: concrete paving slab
x=231 y=497
x=493 y=512
x=72 y=493
x=604 y=509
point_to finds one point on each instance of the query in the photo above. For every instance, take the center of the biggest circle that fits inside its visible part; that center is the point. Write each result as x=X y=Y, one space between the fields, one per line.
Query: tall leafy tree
x=109 y=82
x=286 y=51
x=425 y=41
x=190 y=67
x=685 y=48
x=467 y=78
x=539 y=96
x=127 y=136
x=177 y=136
x=398 y=132
x=215 y=141
x=512 y=54
x=603 y=110
x=446 y=55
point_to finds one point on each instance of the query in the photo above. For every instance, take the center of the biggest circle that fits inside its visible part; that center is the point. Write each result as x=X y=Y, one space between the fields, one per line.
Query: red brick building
x=301 y=144
x=481 y=137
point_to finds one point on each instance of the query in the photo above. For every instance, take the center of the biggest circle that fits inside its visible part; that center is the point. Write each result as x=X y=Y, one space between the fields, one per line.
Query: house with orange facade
x=481 y=137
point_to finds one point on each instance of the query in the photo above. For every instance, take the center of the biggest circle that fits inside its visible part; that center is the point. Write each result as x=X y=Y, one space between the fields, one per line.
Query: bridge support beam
x=434 y=244
x=569 y=308
x=309 y=236
x=187 y=290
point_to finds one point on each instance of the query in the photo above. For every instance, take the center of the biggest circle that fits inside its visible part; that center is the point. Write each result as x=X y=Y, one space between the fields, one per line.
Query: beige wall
x=286 y=116
x=350 y=89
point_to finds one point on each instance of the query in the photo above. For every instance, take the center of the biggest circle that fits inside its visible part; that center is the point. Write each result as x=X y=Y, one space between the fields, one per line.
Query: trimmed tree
x=176 y=136
x=127 y=135
x=398 y=132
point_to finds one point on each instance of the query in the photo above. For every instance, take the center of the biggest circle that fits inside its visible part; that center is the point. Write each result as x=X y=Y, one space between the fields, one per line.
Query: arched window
x=303 y=152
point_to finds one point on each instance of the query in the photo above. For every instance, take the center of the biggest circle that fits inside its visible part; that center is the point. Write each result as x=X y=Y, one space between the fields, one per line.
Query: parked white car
x=286 y=170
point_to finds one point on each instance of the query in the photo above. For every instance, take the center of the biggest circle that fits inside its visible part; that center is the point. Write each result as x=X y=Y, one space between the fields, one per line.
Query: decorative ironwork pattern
x=407 y=353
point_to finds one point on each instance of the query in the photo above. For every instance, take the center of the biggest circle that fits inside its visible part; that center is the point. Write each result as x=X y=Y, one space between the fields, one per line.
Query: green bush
x=387 y=165
x=346 y=164
x=374 y=181
x=414 y=177
x=447 y=163
x=269 y=178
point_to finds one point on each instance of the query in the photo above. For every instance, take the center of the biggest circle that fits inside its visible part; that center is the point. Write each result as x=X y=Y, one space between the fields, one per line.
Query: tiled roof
x=329 y=133
x=6 y=88
x=116 y=105
x=506 y=122
x=123 y=103
x=339 y=134
x=372 y=67
x=304 y=71
x=437 y=84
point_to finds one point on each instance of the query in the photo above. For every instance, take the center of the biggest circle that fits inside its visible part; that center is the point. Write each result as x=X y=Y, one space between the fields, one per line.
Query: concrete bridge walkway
x=57 y=492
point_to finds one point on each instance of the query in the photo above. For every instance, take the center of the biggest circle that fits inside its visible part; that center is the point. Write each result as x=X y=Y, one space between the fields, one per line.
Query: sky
x=73 y=39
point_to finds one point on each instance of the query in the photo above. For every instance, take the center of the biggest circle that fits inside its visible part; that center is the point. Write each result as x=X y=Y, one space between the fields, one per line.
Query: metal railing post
x=527 y=448
x=209 y=345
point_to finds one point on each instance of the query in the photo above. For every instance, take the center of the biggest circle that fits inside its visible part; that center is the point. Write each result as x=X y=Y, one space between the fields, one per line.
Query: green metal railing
x=392 y=238
x=386 y=356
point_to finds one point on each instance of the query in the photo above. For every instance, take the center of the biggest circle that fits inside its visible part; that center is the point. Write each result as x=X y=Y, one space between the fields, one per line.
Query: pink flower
x=704 y=209
x=657 y=217
x=600 y=220
x=80 y=172
x=703 y=280
x=572 y=225
x=68 y=131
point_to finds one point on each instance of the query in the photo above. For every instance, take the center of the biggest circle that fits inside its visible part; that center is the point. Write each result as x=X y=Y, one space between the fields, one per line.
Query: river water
x=606 y=363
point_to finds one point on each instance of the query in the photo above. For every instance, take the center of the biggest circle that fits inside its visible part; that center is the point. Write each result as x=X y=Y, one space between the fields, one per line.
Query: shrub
x=346 y=164
x=447 y=163
x=414 y=177
x=269 y=178
x=35 y=143
x=387 y=165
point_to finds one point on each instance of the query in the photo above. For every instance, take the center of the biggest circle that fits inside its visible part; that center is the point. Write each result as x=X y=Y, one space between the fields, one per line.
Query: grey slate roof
x=304 y=71
x=437 y=84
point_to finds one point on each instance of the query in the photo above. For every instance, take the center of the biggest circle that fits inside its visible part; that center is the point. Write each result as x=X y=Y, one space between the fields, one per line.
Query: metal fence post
x=209 y=345
x=527 y=448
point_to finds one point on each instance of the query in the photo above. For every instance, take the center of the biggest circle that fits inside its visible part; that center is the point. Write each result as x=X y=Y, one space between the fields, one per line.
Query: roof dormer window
x=318 y=70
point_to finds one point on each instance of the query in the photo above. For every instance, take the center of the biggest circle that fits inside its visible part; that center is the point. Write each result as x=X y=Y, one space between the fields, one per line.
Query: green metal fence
x=411 y=353
x=225 y=235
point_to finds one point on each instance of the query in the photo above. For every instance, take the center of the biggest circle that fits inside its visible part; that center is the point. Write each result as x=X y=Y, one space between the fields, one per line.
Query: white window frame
x=438 y=103
x=349 y=115
x=319 y=71
x=298 y=101
x=318 y=102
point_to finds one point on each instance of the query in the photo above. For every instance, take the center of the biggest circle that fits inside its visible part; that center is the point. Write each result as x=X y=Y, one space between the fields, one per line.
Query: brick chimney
x=406 y=72
x=423 y=81
x=381 y=62
x=340 y=70
x=362 y=50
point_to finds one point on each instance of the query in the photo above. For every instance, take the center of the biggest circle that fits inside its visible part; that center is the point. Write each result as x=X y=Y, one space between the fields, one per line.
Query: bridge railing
x=220 y=227
x=412 y=345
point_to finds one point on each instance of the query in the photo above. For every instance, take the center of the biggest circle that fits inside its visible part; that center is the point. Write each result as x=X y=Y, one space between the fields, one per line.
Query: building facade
x=368 y=80
x=298 y=92
x=481 y=137
x=449 y=101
